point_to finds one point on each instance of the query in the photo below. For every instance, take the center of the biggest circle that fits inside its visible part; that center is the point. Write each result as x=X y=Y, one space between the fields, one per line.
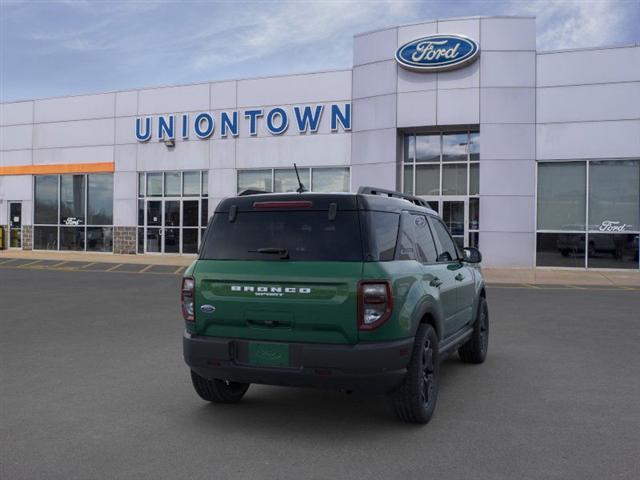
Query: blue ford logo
x=437 y=53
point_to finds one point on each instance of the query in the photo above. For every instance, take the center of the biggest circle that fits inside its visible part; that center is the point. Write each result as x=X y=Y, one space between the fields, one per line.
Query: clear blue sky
x=52 y=48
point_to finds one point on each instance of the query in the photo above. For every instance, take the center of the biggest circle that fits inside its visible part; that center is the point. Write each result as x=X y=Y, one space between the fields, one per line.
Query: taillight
x=375 y=303
x=187 y=297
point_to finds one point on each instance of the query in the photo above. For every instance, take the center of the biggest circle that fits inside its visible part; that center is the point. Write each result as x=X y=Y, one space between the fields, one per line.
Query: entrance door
x=171 y=234
x=454 y=215
x=172 y=225
x=15 y=225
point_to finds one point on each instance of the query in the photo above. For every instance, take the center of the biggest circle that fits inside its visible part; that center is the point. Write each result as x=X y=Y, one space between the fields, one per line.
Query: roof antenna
x=301 y=188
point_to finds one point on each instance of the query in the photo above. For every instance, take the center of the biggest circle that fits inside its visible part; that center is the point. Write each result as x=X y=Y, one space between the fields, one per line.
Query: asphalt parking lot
x=92 y=385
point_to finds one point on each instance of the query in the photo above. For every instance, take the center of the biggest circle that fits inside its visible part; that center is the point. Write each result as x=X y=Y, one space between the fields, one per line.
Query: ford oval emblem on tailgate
x=207 y=308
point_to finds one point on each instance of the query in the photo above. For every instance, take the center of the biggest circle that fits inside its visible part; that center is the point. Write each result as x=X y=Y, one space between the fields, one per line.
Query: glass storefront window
x=205 y=183
x=45 y=238
x=46 y=199
x=99 y=239
x=560 y=249
x=72 y=238
x=474 y=147
x=474 y=179
x=154 y=184
x=408 y=179
x=254 y=179
x=72 y=197
x=561 y=196
x=285 y=180
x=612 y=250
x=100 y=199
x=474 y=214
x=141 y=191
x=614 y=196
x=330 y=179
x=455 y=147
x=454 y=179
x=172 y=185
x=427 y=179
x=192 y=184
x=427 y=148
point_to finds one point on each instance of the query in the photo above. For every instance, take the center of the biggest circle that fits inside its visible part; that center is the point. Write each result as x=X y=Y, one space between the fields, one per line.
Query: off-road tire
x=475 y=349
x=414 y=402
x=218 y=391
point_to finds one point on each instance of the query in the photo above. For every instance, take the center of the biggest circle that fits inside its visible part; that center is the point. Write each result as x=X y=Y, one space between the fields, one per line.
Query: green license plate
x=269 y=354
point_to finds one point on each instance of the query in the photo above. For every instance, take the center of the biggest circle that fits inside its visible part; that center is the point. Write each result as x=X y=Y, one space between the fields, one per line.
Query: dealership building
x=533 y=156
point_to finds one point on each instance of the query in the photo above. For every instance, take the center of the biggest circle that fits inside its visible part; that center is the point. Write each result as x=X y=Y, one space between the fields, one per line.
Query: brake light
x=375 y=304
x=187 y=298
x=283 y=204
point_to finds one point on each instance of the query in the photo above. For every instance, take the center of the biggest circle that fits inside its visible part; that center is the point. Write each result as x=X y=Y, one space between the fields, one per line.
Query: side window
x=426 y=245
x=448 y=251
x=407 y=240
x=383 y=234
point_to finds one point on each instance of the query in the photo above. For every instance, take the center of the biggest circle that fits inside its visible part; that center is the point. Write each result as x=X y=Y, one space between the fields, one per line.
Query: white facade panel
x=223 y=183
x=16 y=137
x=223 y=95
x=508 y=34
x=385 y=74
x=507 y=249
x=582 y=67
x=409 y=81
x=508 y=69
x=127 y=103
x=411 y=32
x=468 y=27
x=75 y=108
x=125 y=212
x=609 y=101
x=508 y=105
x=588 y=140
x=16 y=113
x=184 y=156
x=125 y=186
x=125 y=157
x=74 y=134
x=295 y=89
x=316 y=150
x=61 y=156
x=189 y=98
x=468 y=77
x=17 y=187
x=417 y=109
x=374 y=113
x=381 y=175
x=508 y=141
x=222 y=153
x=14 y=158
x=503 y=213
x=458 y=106
x=373 y=146
x=507 y=177
x=375 y=46
x=126 y=130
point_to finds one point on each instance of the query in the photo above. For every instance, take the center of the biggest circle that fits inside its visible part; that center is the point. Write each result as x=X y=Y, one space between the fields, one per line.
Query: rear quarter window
x=382 y=235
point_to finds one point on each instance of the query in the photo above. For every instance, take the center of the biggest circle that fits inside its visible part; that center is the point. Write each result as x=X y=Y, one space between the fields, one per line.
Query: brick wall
x=124 y=240
x=27 y=237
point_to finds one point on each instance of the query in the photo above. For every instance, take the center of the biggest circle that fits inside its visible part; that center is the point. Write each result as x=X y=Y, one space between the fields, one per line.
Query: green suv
x=364 y=292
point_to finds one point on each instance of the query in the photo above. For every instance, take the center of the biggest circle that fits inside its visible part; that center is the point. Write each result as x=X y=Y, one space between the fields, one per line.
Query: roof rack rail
x=391 y=193
x=251 y=191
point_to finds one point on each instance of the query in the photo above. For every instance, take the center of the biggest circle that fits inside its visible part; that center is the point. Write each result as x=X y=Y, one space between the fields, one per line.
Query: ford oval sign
x=437 y=53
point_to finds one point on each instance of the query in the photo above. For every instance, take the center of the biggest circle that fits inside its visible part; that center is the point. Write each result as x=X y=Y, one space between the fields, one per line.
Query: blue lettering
x=308 y=120
x=253 y=116
x=284 y=121
x=343 y=118
x=140 y=136
x=185 y=125
x=229 y=123
x=166 y=128
x=209 y=122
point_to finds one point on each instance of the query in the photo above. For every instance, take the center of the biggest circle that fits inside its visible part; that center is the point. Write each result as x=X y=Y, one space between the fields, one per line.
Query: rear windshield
x=303 y=235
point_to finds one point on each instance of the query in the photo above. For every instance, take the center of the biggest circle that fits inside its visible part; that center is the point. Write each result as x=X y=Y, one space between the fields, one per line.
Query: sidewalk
x=533 y=276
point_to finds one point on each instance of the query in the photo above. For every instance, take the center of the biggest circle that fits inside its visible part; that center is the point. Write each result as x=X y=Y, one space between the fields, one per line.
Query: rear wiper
x=283 y=252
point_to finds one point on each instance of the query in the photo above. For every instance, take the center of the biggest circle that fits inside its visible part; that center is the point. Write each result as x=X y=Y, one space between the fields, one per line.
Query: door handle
x=436 y=282
x=459 y=277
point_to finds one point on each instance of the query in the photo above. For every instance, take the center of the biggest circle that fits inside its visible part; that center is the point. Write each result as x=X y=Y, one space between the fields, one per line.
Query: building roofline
x=582 y=49
x=172 y=85
x=474 y=17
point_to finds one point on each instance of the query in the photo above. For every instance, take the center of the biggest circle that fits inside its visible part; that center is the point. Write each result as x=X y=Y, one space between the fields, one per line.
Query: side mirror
x=472 y=255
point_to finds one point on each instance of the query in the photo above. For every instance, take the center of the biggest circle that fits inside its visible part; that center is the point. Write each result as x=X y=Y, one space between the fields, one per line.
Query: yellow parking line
x=178 y=270
x=145 y=268
x=7 y=261
x=88 y=265
x=29 y=264
x=113 y=268
x=59 y=264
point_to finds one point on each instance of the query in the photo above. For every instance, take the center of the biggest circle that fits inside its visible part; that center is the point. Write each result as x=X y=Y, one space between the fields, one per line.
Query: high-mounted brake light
x=283 y=204
x=187 y=298
x=375 y=304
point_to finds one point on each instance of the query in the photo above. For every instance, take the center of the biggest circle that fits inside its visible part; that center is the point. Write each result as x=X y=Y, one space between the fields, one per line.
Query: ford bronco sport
x=363 y=292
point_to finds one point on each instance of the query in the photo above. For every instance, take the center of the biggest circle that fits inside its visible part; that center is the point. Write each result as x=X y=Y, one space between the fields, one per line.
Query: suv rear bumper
x=371 y=367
